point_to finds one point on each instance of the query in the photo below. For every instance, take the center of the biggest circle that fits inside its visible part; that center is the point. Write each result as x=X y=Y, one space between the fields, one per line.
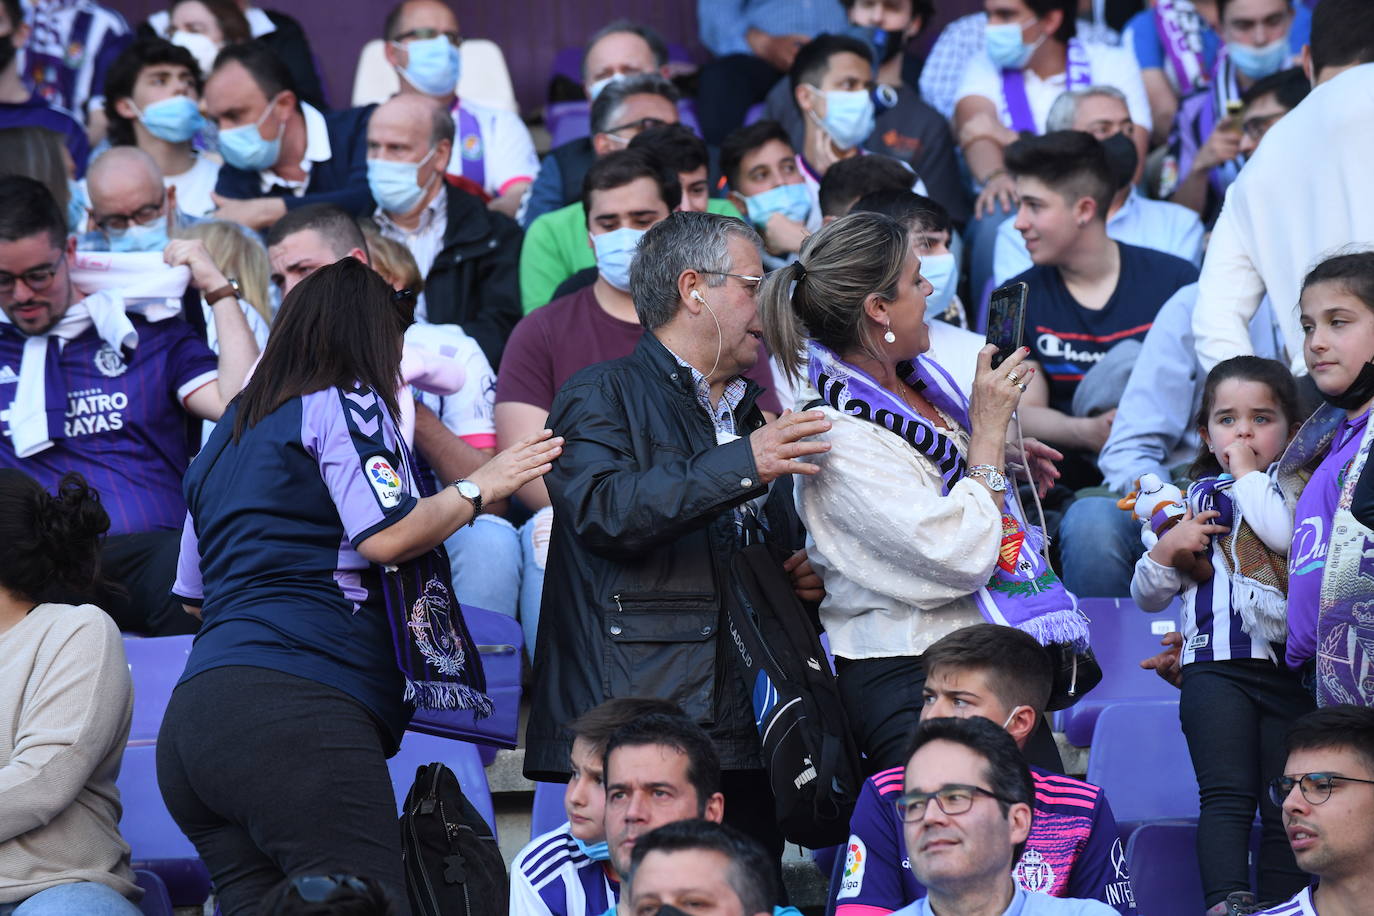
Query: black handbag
x=1076 y=671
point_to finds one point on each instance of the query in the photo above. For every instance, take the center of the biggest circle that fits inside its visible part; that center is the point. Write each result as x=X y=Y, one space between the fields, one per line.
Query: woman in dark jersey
x=303 y=505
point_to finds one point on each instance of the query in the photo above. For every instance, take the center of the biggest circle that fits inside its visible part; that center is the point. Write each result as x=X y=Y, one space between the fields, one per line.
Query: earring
x=889 y=336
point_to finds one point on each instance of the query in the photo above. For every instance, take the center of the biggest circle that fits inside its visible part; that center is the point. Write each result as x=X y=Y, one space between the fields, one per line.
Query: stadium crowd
x=306 y=380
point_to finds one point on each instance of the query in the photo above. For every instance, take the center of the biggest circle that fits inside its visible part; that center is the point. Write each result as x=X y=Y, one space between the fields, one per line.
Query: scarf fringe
x=1263 y=610
x=1064 y=626
x=441 y=695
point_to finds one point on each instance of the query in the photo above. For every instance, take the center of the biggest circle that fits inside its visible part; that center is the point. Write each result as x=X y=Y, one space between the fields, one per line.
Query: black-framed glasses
x=37 y=278
x=319 y=888
x=425 y=34
x=953 y=799
x=1316 y=787
x=118 y=222
x=642 y=124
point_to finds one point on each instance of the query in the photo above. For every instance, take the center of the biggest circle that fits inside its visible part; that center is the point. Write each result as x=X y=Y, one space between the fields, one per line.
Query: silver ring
x=1021 y=385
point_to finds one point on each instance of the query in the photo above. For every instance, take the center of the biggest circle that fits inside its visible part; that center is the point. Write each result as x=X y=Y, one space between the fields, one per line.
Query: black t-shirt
x=1068 y=339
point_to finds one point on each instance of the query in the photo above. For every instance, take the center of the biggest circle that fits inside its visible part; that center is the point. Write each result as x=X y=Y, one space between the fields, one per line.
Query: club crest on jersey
x=472 y=146
x=386 y=483
x=1034 y=873
x=109 y=362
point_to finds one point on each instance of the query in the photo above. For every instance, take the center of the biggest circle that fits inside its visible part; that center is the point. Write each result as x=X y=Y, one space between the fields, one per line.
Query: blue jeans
x=980 y=237
x=534 y=551
x=485 y=561
x=1099 y=545
x=84 y=897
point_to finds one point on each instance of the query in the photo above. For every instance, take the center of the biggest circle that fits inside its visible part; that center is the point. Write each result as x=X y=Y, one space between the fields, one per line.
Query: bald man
x=468 y=254
x=494 y=148
x=131 y=208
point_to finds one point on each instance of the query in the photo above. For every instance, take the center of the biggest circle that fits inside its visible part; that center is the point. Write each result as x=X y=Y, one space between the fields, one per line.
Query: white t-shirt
x=504 y=144
x=194 y=186
x=1110 y=67
x=469 y=414
x=956 y=350
x=1300 y=905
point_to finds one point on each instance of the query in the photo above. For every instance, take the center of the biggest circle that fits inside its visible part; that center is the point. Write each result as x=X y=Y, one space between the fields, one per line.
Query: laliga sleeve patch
x=855 y=860
x=386 y=483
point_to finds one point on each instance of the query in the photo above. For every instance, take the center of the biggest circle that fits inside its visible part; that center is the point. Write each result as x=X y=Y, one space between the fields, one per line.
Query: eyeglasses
x=952 y=799
x=1316 y=787
x=752 y=283
x=37 y=279
x=118 y=222
x=319 y=888
x=425 y=34
x=1256 y=128
x=642 y=124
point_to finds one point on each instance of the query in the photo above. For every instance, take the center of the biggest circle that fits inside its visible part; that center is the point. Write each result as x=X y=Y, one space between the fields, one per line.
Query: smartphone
x=1007 y=320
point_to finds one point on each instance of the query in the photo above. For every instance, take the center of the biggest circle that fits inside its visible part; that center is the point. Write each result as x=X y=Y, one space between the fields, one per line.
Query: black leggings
x=1236 y=715
x=272 y=775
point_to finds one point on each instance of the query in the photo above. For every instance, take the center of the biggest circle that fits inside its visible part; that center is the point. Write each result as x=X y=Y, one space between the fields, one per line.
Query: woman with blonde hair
x=912 y=524
x=243 y=260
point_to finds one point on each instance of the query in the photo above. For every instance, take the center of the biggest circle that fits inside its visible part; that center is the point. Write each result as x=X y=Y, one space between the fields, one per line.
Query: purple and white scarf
x=1023 y=591
x=1180 y=31
x=1078 y=74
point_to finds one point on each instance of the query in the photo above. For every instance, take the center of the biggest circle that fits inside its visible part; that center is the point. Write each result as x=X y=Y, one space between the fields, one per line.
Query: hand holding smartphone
x=1007 y=320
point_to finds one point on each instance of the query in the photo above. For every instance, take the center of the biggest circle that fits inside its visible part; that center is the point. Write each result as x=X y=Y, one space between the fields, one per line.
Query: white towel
x=118 y=284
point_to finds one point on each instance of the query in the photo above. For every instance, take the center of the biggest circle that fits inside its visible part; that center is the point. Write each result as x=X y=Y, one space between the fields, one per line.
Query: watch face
x=468 y=489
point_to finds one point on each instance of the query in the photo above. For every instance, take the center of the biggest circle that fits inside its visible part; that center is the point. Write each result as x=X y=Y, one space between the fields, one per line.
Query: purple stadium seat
x=155 y=664
x=1122 y=635
x=755 y=113
x=155 y=901
x=157 y=843
x=421 y=750
x=499 y=640
x=1140 y=759
x=548 y=810
x=566 y=121
x=1162 y=859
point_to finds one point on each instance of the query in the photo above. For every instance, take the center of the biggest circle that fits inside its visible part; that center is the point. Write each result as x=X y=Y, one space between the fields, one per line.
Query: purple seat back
x=155 y=664
x=568 y=63
x=1140 y=759
x=570 y=120
x=462 y=758
x=155 y=900
x=548 y=810
x=1162 y=859
x=1122 y=635
x=499 y=640
x=755 y=113
x=156 y=842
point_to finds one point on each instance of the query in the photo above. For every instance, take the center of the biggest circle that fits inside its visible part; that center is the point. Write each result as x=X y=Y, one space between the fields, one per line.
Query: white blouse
x=900 y=561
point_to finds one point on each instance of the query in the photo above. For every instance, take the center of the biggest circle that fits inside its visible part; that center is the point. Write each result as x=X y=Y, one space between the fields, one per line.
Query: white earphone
x=696 y=294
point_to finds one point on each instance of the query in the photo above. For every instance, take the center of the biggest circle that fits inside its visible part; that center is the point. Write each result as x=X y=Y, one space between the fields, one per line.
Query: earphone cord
x=720 y=335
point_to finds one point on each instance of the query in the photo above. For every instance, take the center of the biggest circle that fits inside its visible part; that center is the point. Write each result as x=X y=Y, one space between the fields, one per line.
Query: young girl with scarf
x=912 y=524
x=1237 y=699
x=1331 y=562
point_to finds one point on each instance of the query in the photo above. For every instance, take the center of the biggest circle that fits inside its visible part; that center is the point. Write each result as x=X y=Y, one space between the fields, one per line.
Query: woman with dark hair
x=309 y=553
x=67 y=701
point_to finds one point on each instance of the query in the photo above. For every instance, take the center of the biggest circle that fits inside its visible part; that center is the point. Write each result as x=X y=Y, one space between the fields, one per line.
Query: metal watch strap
x=988 y=474
x=476 y=501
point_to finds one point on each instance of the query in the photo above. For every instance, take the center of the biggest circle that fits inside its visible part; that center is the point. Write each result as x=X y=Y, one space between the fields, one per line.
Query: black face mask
x=1122 y=158
x=888 y=44
x=1360 y=392
x=7 y=50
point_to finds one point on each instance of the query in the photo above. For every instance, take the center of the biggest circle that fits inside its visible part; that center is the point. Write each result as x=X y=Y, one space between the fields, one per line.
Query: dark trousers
x=749 y=809
x=1236 y=715
x=882 y=698
x=272 y=775
x=141 y=568
x=728 y=87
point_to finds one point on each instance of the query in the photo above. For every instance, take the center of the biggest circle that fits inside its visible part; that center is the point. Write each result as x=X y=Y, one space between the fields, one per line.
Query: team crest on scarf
x=1008 y=555
x=431 y=626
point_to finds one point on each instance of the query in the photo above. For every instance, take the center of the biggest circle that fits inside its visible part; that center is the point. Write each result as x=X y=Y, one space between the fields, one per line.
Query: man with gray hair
x=131 y=209
x=468 y=254
x=1132 y=218
x=623 y=108
x=667 y=460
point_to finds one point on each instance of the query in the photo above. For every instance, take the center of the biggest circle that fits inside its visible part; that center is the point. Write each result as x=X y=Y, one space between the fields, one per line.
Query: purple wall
x=530 y=32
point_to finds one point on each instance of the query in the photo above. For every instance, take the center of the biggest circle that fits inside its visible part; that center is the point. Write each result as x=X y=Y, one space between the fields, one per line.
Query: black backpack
x=810 y=755
x=452 y=861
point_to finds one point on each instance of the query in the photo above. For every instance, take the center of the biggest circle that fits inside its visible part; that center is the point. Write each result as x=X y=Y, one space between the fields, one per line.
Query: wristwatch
x=990 y=475
x=472 y=493
x=230 y=288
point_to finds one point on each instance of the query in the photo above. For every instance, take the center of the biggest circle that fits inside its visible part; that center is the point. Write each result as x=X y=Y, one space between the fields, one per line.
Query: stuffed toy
x=1159 y=506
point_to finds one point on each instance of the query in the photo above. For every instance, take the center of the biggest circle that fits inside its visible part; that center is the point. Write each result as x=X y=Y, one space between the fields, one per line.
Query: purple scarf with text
x=1078 y=74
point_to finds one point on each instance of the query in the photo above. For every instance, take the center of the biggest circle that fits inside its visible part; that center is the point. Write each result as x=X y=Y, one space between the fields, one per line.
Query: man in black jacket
x=468 y=254
x=666 y=455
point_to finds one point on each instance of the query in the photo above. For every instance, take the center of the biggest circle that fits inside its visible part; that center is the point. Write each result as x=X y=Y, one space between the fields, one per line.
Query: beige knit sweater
x=65 y=705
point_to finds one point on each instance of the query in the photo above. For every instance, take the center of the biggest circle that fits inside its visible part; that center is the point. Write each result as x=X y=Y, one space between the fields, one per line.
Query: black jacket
x=643 y=534
x=475 y=279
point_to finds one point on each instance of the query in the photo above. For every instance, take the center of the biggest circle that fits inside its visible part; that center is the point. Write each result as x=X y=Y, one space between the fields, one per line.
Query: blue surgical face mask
x=152 y=237
x=849 y=117
x=434 y=65
x=396 y=185
x=76 y=207
x=942 y=270
x=791 y=200
x=597 y=852
x=244 y=147
x=176 y=119
x=1005 y=47
x=1257 y=63
x=614 y=252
